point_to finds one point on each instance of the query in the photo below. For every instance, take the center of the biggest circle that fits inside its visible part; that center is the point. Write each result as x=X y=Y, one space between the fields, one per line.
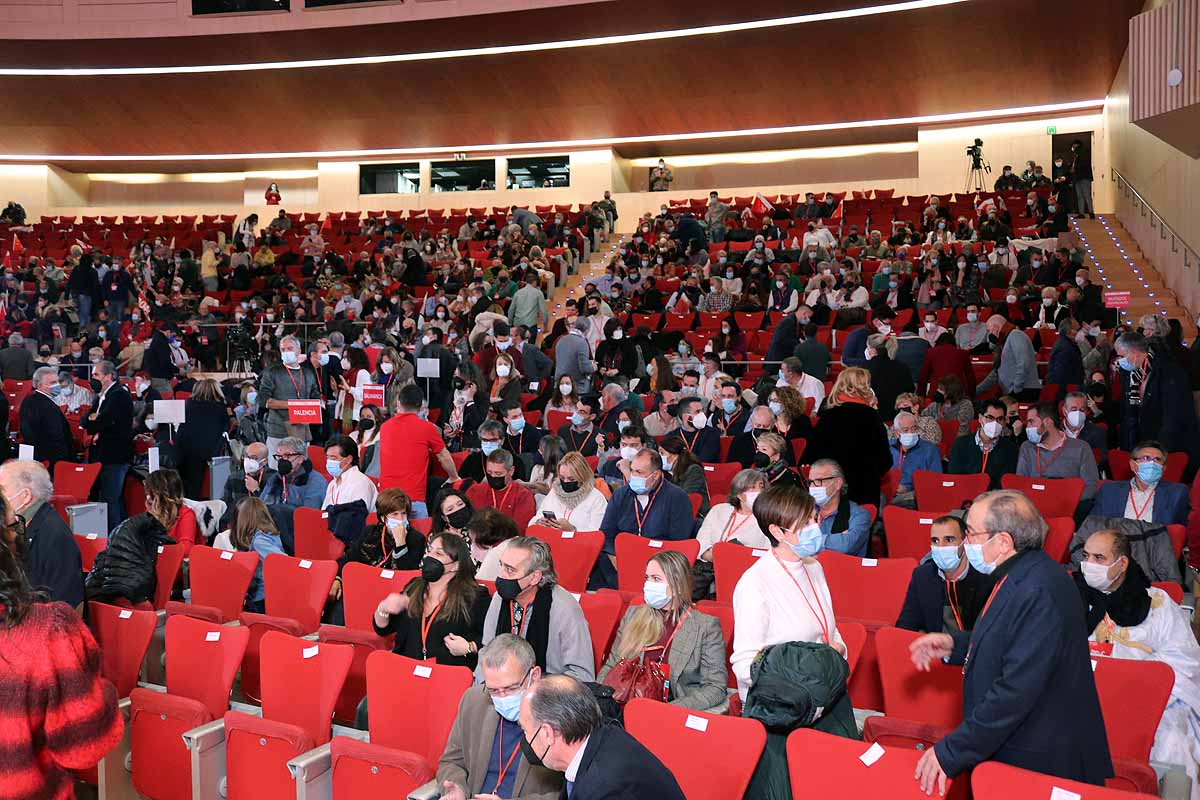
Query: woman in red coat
x=272 y=194
x=946 y=358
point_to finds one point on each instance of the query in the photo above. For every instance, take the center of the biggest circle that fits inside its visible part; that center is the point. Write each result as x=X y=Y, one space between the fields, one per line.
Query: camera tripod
x=977 y=173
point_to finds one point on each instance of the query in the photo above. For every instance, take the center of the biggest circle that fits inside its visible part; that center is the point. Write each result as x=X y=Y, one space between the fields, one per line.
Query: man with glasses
x=491 y=438
x=845 y=525
x=989 y=450
x=294 y=483
x=1145 y=497
x=529 y=603
x=1029 y=697
x=483 y=755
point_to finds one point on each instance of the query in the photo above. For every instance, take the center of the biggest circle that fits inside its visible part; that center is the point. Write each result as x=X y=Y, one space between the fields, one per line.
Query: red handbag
x=639 y=677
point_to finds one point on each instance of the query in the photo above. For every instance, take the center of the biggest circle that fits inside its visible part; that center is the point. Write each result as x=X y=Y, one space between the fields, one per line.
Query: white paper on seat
x=1039 y=487
x=533 y=386
x=305 y=564
x=227 y=555
x=947 y=483
x=870 y=562
x=126 y=614
x=212 y=636
x=696 y=723
x=25 y=452
x=160 y=549
x=153 y=459
x=926 y=520
x=429 y=368
x=1059 y=793
x=387 y=574
x=92 y=536
x=169 y=411
x=309 y=652
x=422 y=671
x=759 y=553
x=568 y=534
x=655 y=543
x=873 y=754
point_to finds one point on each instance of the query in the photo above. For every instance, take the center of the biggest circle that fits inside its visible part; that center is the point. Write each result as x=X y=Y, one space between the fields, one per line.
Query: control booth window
x=541 y=172
x=402 y=178
x=237 y=6
x=462 y=176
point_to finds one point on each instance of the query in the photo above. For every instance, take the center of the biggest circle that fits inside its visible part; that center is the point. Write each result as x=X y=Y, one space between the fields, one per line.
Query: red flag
x=7 y=261
x=761 y=205
x=17 y=247
x=327 y=225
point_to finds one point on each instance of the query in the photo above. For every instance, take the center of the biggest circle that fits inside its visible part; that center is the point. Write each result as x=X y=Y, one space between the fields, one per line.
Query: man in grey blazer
x=472 y=765
x=573 y=355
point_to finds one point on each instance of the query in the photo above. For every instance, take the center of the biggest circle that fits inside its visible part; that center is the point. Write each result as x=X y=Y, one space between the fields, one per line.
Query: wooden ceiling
x=941 y=60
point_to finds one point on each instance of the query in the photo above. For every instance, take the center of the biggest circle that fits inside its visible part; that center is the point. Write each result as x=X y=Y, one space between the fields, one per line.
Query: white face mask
x=1076 y=418
x=1097 y=575
x=992 y=429
x=502 y=370
x=386 y=367
x=628 y=453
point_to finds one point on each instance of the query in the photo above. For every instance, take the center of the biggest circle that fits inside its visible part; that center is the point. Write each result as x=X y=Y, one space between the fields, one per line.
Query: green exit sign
x=1051 y=130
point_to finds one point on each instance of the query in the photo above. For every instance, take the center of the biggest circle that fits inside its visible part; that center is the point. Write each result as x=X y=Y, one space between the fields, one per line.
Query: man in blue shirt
x=910 y=453
x=845 y=525
x=649 y=506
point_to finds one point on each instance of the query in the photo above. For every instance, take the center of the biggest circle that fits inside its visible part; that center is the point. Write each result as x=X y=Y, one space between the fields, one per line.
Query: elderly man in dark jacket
x=1156 y=399
x=52 y=558
x=1066 y=360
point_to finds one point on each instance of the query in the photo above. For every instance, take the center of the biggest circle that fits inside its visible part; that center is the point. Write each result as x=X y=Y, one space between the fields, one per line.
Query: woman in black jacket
x=202 y=435
x=851 y=432
x=615 y=355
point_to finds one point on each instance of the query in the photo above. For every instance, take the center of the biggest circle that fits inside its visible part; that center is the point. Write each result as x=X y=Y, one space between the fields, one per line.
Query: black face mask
x=283 y=467
x=569 y=486
x=527 y=751
x=366 y=424
x=458 y=518
x=459 y=383
x=497 y=482
x=761 y=460
x=508 y=588
x=993 y=339
x=432 y=569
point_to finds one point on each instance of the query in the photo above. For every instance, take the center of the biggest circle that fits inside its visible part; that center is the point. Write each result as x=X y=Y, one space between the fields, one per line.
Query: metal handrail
x=1163 y=225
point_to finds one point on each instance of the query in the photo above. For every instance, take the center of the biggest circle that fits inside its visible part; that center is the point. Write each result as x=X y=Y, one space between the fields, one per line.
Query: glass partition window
x=462 y=176
x=237 y=6
x=402 y=178
x=539 y=172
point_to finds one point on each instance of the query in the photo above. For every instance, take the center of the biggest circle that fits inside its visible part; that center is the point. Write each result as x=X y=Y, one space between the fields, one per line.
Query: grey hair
x=292 y=443
x=105 y=368
x=1015 y=514
x=742 y=482
x=540 y=557
x=496 y=653
x=491 y=426
x=581 y=325
x=1075 y=396
x=16 y=340
x=759 y=410
x=1133 y=341
x=41 y=372
x=903 y=417
x=566 y=705
x=66 y=375
x=501 y=457
x=1064 y=326
x=293 y=340
x=837 y=470
x=615 y=391
x=30 y=475
x=1150 y=321
x=337 y=339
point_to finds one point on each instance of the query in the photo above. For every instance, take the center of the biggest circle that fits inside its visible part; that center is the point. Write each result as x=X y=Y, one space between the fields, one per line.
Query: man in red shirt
x=406 y=444
x=501 y=493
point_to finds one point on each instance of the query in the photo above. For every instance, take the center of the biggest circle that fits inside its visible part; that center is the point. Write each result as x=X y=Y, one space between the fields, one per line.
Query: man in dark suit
x=157 y=359
x=745 y=444
x=703 y=442
x=1156 y=399
x=52 y=558
x=889 y=378
x=945 y=594
x=111 y=425
x=563 y=731
x=442 y=386
x=1029 y=697
x=1171 y=502
x=42 y=422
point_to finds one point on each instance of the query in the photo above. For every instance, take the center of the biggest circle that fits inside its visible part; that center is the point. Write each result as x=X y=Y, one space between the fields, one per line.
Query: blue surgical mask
x=251 y=397
x=516 y=425
x=323 y=359
x=637 y=484
x=333 y=466
x=976 y=558
x=1125 y=364
x=656 y=594
x=810 y=541
x=908 y=440
x=56 y=390
x=509 y=707
x=578 y=420
x=396 y=525
x=668 y=464
x=1033 y=434
x=945 y=556
x=1150 y=472
x=776 y=408
x=819 y=494
x=487 y=448
x=729 y=405
x=622 y=424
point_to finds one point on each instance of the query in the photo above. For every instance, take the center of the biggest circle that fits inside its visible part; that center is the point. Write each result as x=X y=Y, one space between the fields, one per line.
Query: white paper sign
x=873 y=754
x=758 y=553
x=1059 y=793
x=126 y=614
x=1038 y=487
x=169 y=411
x=25 y=452
x=387 y=574
x=568 y=534
x=926 y=520
x=212 y=636
x=309 y=652
x=696 y=723
x=533 y=386
x=160 y=549
x=429 y=368
x=152 y=455
x=422 y=671
x=947 y=483
x=305 y=564
x=227 y=555
x=870 y=562
x=655 y=543
x=92 y=536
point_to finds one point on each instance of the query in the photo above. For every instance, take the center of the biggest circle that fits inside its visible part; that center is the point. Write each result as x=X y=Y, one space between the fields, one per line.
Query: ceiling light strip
x=532 y=47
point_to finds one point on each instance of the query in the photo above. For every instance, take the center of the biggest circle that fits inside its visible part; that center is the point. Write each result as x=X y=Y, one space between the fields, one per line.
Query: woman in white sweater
x=733 y=521
x=574 y=503
x=784 y=596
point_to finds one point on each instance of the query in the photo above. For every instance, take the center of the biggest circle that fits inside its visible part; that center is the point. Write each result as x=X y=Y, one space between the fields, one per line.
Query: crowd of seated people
x=831 y=348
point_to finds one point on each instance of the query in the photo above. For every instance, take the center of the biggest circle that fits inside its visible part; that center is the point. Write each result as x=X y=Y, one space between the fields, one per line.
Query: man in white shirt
x=70 y=395
x=931 y=331
x=792 y=374
x=347 y=483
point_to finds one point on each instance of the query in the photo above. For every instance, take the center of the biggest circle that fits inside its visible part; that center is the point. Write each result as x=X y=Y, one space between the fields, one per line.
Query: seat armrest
x=206 y=736
x=113 y=778
x=1173 y=781
x=313 y=774
x=428 y=791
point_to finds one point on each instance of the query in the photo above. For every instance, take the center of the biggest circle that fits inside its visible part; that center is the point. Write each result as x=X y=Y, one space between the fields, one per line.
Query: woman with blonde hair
x=573 y=503
x=850 y=432
x=164 y=502
x=505 y=379
x=667 y=628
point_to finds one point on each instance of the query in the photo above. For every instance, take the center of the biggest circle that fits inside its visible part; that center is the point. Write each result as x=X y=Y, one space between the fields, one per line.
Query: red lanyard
x=952 y=599
x=496 y=505
x=507 y=764
x=986 y=453
x=512 y=615
x=575 y=444
x=818 y=611
x=295 y=385
x=729 y=422
x=667 y=647
x=426 y=624
x=1038 y=456
x=691 y=446
x=1137 y=512
x=731 y=529
x=637 y=509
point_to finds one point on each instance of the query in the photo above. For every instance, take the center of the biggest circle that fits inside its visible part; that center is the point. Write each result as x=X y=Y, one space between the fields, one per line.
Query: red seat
x=932 y=700
x=1131 y=726
x=257 y=749
x=362 y=769
x=993 y=780
x=166 y=572
x=90 y=546
x=633 y=552
x=682 y=738
x=313 y=539
x=75 y=480
x=937 y=491
x=123 y=635
x=730 y=561
x=316 y=454
x=827 y=766
x=1119 y=469
x=724 y=614
x=204 y=661
x=1054 y=497
x=363 y=586
x=1173 y=590
x=907 y=532
x=602 y=610
x=574 y=554
x=413 y=703
x=1059 y=532
x=219 y=580
x=719 y=477
x=556 y=419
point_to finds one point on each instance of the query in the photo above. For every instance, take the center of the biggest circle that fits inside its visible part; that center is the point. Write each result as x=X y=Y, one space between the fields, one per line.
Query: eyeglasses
x=504 y=691
x=987 y=533
x=1148 y=459
x=992 y=418
x=821 y=481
